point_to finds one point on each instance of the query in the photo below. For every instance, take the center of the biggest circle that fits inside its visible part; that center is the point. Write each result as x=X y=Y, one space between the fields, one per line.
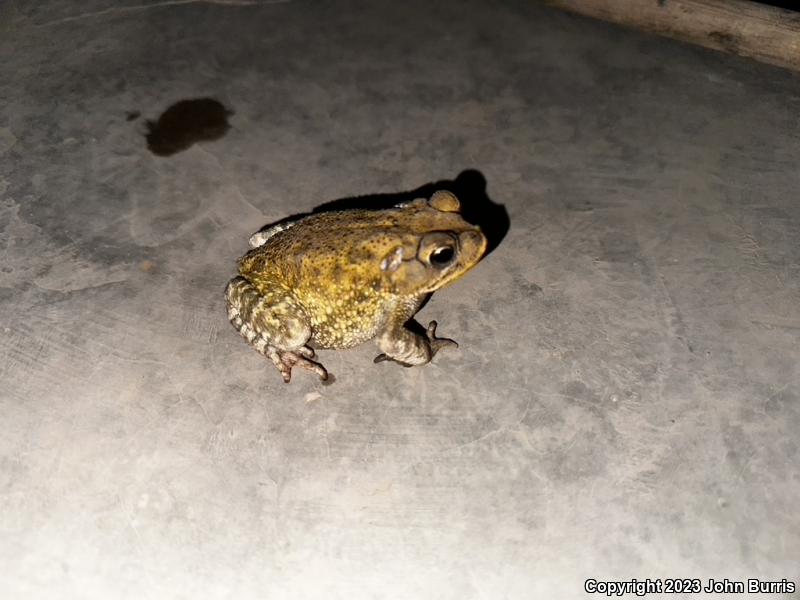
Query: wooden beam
x=765 y=33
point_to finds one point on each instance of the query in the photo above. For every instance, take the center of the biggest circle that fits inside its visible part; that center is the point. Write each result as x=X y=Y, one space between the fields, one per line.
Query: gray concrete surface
x=624 y=403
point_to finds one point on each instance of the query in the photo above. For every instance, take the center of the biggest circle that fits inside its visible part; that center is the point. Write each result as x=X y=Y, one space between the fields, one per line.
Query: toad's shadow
x=469 y=187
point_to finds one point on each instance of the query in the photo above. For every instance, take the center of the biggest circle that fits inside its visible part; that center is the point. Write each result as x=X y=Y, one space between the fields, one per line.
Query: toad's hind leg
x=272 y=324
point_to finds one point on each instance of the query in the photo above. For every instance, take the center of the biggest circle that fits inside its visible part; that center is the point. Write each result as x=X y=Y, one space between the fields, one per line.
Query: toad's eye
x=442 y=256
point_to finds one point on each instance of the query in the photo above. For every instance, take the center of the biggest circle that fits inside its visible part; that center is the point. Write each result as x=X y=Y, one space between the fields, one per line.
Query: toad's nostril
x=474 y=238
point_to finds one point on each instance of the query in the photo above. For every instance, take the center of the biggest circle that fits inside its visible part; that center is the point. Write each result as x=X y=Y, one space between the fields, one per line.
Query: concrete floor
x=626 y=399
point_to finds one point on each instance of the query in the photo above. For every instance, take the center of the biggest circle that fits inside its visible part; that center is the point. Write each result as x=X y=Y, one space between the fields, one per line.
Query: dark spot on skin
x=361 y=295
x=362 y=255
x=132 y=115
x=185 y=123
x=330 y=380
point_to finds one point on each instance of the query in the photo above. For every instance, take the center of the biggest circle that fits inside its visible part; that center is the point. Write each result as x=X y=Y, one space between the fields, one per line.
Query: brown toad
x=337 y=279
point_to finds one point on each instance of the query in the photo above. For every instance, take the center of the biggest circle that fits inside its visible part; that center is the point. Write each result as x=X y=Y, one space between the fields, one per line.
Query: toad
x=337 y=279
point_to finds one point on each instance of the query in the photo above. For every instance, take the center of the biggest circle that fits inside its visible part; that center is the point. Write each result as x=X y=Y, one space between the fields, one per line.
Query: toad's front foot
x=430 y=342
x=285 y=360
x=437 y=343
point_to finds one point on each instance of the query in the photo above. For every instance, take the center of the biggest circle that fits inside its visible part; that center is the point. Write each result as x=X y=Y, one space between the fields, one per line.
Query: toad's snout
x=473 y=242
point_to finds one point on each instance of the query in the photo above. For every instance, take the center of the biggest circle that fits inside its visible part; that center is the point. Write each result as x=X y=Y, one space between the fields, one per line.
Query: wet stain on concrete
x=185 y=123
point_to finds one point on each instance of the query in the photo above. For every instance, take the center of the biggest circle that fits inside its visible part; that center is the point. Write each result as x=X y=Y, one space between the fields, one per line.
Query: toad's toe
x=437 y=343
x=286 y=360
